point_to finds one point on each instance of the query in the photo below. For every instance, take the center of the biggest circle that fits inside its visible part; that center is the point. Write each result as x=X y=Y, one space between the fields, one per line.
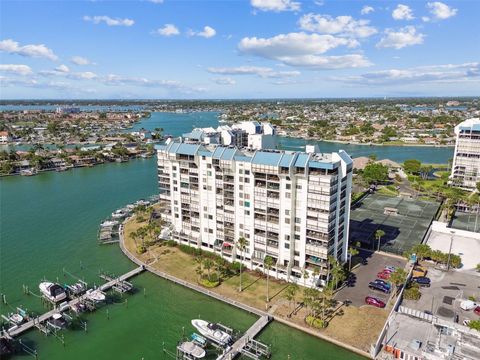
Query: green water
x=49 y=222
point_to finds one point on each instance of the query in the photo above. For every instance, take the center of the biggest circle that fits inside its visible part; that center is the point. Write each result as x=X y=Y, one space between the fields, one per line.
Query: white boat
x=192 y=349
x=77 y=289
x=108 y=223
x=17 y=319
x=118 y=214
x=52 y=292
x=57 y=321
x=212 y=331
x=96 y=295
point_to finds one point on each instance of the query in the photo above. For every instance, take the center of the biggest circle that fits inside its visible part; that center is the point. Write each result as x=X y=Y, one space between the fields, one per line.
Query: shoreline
x=230 y=301
x=365 y=144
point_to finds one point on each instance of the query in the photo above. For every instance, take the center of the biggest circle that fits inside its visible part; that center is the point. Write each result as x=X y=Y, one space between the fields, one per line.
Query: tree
x=268 y=263
x=290 y=294
x=375 y=173
x=305 y=276
x=398 y=277
x=478 y=268
x=208 y=265
x=352 y=252
x=241 y=245
x=337 y=271
x=378 y=235
x=412 y=166
x=422 y=251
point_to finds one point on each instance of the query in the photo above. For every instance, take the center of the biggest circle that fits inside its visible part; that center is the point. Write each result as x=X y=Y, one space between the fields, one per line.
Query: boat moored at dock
x=192 y=349
x=212 y=331
x=53 y=292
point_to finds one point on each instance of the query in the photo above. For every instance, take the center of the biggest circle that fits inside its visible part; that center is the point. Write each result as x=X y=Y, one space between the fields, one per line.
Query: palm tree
x=241 y=245
x=268 y=263
x=352 y=252
x=398 y=277
x=378 y=235
x=208 y=265
x=305 y=275
x=290 y=294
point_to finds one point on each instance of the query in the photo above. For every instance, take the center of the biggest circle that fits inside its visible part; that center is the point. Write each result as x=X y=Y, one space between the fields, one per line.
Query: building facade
x=466 y=160
x=291 y=206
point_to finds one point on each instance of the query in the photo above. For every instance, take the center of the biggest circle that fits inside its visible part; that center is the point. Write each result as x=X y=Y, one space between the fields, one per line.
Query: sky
x=167 y=49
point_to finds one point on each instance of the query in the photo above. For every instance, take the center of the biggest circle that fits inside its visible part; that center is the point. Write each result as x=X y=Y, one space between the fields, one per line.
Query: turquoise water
x=49 y=222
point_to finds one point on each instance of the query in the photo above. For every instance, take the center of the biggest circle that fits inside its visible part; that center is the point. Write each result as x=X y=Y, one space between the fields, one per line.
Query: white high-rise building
x=291 y=206
x=466 y=160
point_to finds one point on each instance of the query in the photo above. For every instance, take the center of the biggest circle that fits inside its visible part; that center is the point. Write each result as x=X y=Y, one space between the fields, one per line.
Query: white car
x=468 y=305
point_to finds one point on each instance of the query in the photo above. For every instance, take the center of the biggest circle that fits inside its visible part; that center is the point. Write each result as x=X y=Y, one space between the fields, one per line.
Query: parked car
x=379 y=287
x=468 y=305
x=477 y=310
x=370 y=300
x=422 y=281
x=384 y=283
x=419 y=271
x=385 y=275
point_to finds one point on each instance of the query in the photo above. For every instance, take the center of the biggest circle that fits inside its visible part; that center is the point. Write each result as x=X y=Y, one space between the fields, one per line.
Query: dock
x=44 y=317
x=246 y=345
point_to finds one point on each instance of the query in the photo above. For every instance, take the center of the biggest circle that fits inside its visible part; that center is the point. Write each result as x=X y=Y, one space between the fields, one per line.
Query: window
x=247 y=212
x=247 y=180
x=299 y=187
x=247 y=172
x=209 y=166
x=247 y=203
x=240 y=171
x=297 y=228
x=287 y=221
x=174 y=168
x=288 y=186
x=287 y=237
x=297 y=220
x=205 y=208
x=240 y=203
x=287 y=212
x=241 y=226
x=175 y=188
x=297 y=237
x=240 y=179
x=240 y=195
x=247 y=196
x=288 y=195
x=209 y=173
x=175 y=202
x=240 y=187
x=287 y=246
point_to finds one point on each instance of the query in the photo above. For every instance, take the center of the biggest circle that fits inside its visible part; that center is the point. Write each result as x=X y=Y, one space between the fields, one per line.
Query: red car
x=477 y=310
x=385 y=275
x=370 y=300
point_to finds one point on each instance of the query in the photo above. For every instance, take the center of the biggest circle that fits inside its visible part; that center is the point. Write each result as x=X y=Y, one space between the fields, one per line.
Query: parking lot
x=444 y=296
x=358 y=288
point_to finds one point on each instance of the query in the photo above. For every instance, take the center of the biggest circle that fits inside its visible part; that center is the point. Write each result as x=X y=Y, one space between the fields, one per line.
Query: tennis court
x=466 y=221
x=404 y=221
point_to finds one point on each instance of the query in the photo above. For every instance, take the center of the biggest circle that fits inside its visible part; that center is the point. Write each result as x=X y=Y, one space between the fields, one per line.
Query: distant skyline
x=161 y=49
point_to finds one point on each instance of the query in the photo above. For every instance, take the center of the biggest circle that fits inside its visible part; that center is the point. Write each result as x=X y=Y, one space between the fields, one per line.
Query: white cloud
x=441 y=11
x=341 y=25
x=40 y=50
x=405 y=36
x=62 y=68
x=156 y=1
x=167 y=30
x=86 y=75
x=301 y=49
x=367 y=10
x=16 y=69
x=118 y=80
x=263 y=72
x=425 y=19
x=109 y=21
x=79 y=60
x=275 y=5
x=224 y=81
x=403 y=12
x=207 y=32
x=422 y=74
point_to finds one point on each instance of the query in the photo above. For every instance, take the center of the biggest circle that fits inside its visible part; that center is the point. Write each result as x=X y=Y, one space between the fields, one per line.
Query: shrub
x=171 y=243
x=141 y=249
x=474 y=324
x=314 y=322
x=412 y=292
x=214 y=281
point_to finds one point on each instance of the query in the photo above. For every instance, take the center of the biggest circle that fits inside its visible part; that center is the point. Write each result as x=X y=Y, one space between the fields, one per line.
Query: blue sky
x=238 y=49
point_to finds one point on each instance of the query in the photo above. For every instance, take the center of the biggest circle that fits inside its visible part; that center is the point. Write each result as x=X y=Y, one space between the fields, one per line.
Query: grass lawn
x=358 y=327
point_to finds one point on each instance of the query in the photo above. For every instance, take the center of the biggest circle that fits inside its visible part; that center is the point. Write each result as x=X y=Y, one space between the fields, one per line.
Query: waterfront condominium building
x=466 y=160
x=291 y=206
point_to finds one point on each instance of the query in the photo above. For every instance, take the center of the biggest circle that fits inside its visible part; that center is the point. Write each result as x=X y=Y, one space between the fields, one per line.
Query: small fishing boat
x=96 y=295
x=52 y=292
x=57 y=322
x=78 y=308
x=212 y=331
x=199 y=340
x=192 y=349
x=77 y=288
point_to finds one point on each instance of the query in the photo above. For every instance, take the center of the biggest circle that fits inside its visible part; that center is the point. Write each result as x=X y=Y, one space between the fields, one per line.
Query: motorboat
x=119 y=214
x=108 y=223
x=57 y=321
x=16 y=319
x=52 y=292
x=212 y=331
x=78 y=308
x=192 y=349
x=96 y=295
x=77 y=288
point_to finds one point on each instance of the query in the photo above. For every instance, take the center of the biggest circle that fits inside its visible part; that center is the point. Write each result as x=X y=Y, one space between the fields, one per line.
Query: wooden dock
x=38 y=320
x=239 y=345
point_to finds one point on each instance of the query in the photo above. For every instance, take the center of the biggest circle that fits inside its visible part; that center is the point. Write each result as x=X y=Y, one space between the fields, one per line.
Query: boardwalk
x=32 y=323
x=238 y=346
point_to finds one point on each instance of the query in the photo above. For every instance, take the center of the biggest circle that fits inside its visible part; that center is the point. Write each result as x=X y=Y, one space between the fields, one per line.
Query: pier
x=246 y=345
x=36 y=322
